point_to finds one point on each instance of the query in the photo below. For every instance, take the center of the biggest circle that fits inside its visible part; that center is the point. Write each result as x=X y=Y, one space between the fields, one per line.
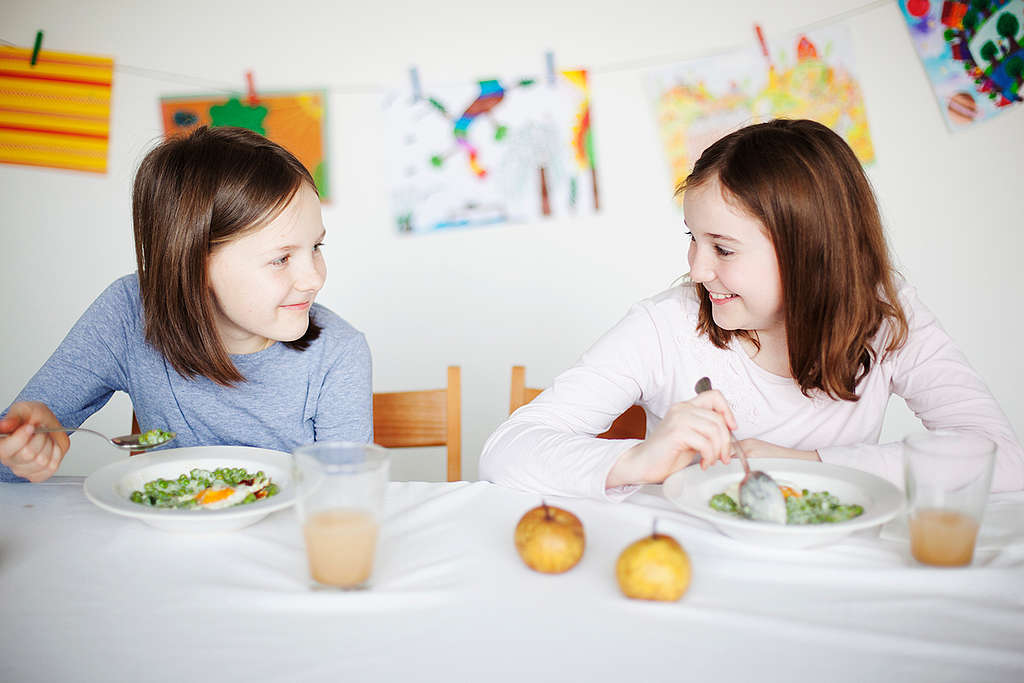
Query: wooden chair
x=432 y=417
x=632 y=424
x=406 y=419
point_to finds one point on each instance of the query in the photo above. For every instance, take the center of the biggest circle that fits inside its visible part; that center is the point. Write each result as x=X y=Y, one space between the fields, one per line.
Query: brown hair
x=191 y=194
x=807 y=188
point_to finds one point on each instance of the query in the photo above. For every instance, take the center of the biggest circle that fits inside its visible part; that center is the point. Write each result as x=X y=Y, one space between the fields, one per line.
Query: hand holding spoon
x=760 y=497
x=130 y=442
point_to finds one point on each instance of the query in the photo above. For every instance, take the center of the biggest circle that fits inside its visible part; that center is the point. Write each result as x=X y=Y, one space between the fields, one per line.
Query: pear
x=653 y=568
x=550 y=539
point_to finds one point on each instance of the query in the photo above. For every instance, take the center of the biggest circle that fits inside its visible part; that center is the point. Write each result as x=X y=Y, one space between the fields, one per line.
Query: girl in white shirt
x=795 y=313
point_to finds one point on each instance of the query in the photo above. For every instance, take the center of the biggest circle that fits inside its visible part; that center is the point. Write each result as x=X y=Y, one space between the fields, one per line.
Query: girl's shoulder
x=331 y=321
x=910 y=304
x=124 y=291
x=335 y=331
x=119 y=305
x=673 y=310
x=906 y=293
x=662 y=325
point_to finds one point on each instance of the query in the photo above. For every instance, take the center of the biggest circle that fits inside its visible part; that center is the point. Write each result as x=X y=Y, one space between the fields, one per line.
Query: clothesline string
x=370 y=88
x=649 y=62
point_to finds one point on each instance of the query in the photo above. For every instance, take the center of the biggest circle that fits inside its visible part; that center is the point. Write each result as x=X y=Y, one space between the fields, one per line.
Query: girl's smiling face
x=264 y=282
x=731 y=256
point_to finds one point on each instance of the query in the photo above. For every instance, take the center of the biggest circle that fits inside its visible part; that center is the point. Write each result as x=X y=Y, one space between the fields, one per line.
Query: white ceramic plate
x=110 y=486
x=692 y=488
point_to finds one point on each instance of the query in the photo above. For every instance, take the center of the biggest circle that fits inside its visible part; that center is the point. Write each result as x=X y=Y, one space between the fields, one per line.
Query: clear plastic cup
x=947 y=475
x=340 y=491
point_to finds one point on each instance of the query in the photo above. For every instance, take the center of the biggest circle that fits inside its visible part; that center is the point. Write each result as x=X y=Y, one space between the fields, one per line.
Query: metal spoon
x=128 y=442
x=760 y=497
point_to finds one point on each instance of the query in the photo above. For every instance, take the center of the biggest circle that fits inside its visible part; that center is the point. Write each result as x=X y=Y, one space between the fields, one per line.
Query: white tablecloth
x=86 y=595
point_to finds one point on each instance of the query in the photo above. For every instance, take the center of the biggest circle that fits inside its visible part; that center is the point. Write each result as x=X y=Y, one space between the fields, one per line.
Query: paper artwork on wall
x=490 y=152
x=973 y=53
x=808 y=75
x=294 y=120
x=56 y=113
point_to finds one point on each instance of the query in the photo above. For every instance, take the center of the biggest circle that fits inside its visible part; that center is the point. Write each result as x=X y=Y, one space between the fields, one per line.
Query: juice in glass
x=944 y=538
x=340 y=489
x=340 y=544
x=947 y=479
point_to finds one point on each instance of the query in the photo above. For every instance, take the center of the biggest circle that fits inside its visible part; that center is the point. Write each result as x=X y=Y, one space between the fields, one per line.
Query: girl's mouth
x=718 y=299
x=298 y=307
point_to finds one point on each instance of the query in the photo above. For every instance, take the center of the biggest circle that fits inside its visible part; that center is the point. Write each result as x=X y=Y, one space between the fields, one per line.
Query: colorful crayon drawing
x=491 y=95
x=808 y=76
x=972 y=53
x=294 y=120
x=56 y=113
x=493 y=152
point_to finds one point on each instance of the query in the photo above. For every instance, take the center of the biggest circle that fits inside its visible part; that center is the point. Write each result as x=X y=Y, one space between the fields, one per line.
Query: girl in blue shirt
x=217 y=336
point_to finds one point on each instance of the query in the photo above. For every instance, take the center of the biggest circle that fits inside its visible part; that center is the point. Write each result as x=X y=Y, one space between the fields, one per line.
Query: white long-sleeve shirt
x=654 y=356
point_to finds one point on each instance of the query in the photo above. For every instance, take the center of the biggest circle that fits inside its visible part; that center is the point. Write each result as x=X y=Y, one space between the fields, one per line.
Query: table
x=86 y=595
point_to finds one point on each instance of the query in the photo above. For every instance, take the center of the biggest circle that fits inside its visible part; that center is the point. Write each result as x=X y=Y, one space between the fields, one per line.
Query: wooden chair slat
x=632 y=424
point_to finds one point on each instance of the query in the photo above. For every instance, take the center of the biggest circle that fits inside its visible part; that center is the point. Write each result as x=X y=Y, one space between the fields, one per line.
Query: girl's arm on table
x=548 y=446
x=76 y=380
x=944 y=391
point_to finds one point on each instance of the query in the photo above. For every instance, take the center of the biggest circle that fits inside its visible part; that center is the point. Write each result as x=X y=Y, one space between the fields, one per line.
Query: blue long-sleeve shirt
x=290 y=397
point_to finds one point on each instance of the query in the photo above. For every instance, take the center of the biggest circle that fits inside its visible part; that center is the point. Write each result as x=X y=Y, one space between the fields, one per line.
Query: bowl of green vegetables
x=824 y=502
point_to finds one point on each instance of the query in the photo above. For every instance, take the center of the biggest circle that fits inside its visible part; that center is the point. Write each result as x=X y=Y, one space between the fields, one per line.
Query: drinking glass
x=947 y=478
x=340 y=491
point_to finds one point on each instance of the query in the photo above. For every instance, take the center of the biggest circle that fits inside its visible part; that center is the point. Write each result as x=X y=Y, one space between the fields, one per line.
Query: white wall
x=490 y=298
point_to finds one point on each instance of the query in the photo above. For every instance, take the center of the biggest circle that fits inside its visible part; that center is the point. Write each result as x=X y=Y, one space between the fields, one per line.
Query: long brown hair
x=806 y=186
x=191 y=194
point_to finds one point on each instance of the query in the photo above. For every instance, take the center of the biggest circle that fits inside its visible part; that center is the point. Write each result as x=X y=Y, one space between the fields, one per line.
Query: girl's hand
x=30 y=455
x=698 y=426
x=755 y=448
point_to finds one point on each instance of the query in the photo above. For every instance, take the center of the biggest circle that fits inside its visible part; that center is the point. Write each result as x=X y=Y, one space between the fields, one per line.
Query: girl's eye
x=721 y=251
x=318 y=246
x=280 y=261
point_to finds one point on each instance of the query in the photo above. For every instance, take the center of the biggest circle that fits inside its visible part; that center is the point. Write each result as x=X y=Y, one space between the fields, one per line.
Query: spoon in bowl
x=128 y=442
x=761 y=498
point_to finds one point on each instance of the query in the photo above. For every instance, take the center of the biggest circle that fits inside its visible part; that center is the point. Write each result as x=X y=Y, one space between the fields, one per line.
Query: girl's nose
x=312 y=277
x=700 y=268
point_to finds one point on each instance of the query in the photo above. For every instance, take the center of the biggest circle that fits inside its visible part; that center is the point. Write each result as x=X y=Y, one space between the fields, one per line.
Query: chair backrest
x=406 y=419
x=431 y=417
x=520 y=394
x=632 y=424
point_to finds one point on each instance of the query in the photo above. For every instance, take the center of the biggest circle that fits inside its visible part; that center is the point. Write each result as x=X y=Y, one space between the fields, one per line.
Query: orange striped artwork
x=57 y=113
x=294 y=120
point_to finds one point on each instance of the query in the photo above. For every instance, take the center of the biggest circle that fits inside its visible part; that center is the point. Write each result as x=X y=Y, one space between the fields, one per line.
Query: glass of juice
x=947 y=478
x=340 y=490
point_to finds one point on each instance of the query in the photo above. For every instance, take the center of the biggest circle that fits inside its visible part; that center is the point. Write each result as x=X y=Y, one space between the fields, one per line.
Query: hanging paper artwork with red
x=972 y=53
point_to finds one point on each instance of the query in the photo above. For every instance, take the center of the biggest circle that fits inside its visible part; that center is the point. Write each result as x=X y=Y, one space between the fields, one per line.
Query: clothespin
x=549 y=58
x=250 y=97
x=35 y=48
x=763 y=42
x=414 y=80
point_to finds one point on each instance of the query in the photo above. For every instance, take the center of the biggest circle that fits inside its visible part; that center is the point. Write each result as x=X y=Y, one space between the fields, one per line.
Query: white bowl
x=110 y=486
x=691 y=489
